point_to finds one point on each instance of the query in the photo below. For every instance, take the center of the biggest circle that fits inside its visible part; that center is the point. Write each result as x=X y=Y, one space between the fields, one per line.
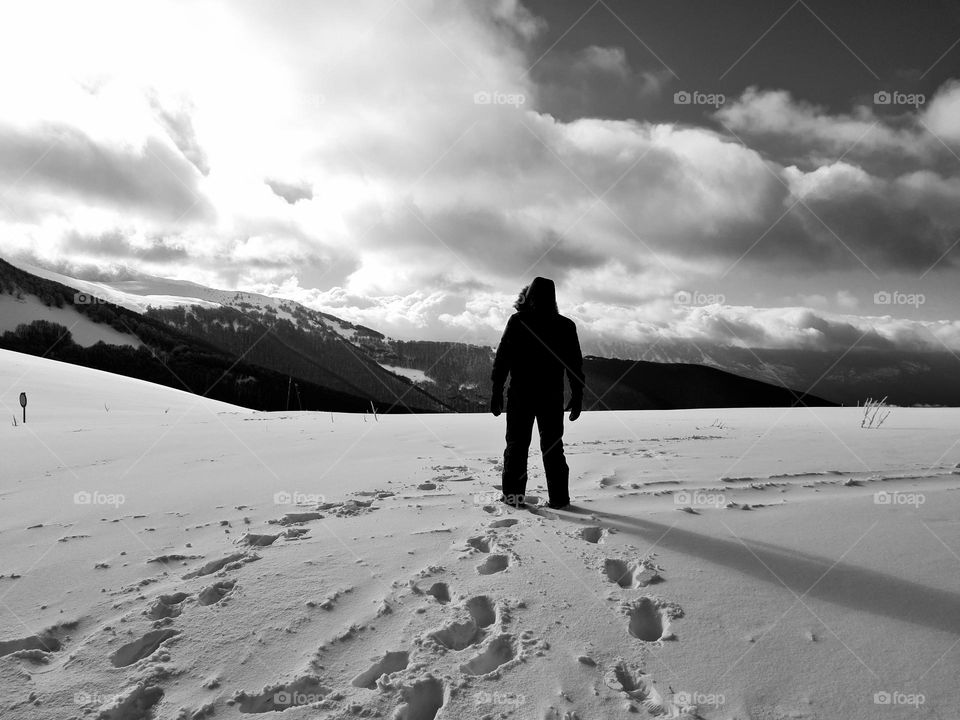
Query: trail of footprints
x=475 y=636
x=649 y=618
x=139 y=700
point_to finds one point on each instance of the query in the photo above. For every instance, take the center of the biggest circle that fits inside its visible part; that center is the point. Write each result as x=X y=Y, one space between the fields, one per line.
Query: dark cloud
x=443 y=281
x=79 y=269
x=878 y=229
x=595 y=81
x=480 y=241
x=115 y=245
x=61 y=159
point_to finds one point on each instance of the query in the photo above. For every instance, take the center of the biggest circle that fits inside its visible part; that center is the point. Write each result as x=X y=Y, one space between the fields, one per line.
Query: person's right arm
x=502 y=363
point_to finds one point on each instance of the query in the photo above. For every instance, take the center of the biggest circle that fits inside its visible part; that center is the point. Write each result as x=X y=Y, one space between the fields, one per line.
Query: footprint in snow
x=493 y=564
x=143 y=647
x=650 y=619
x=391 y=662
x=501 y=650
x=479 y=543
x=439 y=592
x=592 y=534
x=423 y=700
x=216 y=592
x=631 y=574
x=167 y=606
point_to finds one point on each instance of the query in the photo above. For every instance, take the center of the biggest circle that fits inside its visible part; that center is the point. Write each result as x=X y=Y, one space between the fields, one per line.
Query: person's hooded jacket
x=538 y=346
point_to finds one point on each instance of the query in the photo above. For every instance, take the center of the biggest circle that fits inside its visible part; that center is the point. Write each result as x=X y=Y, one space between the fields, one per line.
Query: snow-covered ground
x=168 y=556
x=412 y=374
x=23 y=311
x=137 y=295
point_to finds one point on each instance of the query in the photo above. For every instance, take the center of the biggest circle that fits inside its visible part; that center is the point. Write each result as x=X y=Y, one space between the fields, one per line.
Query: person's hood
x=542 y=295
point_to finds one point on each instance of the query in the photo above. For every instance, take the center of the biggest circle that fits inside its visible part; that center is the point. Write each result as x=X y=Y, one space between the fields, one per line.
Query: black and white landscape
x=256 y=260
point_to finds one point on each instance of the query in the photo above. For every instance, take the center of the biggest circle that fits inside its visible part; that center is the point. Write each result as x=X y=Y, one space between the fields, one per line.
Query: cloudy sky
x=767 y=172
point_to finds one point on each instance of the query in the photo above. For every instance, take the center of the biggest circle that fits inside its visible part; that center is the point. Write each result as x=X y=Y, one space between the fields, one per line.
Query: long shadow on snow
x=848 y=585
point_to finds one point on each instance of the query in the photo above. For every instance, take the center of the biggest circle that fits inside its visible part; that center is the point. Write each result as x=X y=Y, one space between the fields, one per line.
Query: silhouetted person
x=538 y=346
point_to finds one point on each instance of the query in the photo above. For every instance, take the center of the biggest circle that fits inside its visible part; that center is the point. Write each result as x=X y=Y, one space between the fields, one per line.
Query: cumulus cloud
x=940 y=116
x=895 y=140
x=399 y=166
x=62 y=161
x=772 y=328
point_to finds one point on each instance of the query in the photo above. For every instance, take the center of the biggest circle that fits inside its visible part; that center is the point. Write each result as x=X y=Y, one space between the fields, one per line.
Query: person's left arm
x=573 y=364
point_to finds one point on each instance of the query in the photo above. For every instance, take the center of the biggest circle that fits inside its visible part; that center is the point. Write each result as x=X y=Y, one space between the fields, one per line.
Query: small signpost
x=23 y=404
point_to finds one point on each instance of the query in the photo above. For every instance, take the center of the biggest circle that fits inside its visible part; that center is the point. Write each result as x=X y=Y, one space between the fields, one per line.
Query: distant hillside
x=293 y=340
x=459 y=370
x=615 y=384
x=162 y=354
x=845 y=375
x=459 y=373
x=277 y=354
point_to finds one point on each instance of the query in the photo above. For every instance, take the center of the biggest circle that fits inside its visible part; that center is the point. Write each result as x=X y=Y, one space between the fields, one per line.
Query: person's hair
x=522 y=302
x=527 y=301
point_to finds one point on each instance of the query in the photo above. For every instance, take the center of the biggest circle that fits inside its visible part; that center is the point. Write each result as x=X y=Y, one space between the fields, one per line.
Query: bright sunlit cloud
x=392 y=164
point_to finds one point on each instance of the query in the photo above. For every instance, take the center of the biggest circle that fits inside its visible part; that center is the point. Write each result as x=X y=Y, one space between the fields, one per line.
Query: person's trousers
x=547 y=410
